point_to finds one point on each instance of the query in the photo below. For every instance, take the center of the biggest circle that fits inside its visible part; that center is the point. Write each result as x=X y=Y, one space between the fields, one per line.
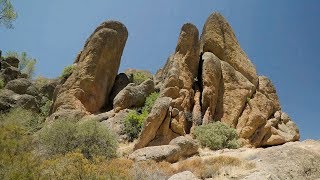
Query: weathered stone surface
x=153 y=122
x=48 y=88
x=10 y=99
x=14 y=62
x=157 y=153
x=185 y=175
x=255 y=115
x=19 y=86
x=280 y=131
x=188 y=146
x=217 y=37
x=133 y=95
x=235 y=90
x=88 y=87
x=211 y=76
x=120 y=83
x=266 y=87
x=10 y=73
x=180 y=147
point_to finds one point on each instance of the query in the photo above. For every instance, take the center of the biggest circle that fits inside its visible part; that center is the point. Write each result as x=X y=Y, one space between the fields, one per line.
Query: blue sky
x=280 y=37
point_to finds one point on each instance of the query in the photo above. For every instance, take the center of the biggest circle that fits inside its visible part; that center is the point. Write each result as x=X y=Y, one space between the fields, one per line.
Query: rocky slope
x=293 y=160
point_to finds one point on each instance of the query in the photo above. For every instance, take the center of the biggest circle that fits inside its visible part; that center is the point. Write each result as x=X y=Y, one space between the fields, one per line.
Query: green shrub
x=16 y=158
x=1 y=83
x=95 y=139
x=150 y=102
x=58 y=137
x=27 y=119
x=45 y=109
x=40 y=81
x=67 y=71
x=134 y=123
x=90 y=137
x=139 y=77
x=217 y=136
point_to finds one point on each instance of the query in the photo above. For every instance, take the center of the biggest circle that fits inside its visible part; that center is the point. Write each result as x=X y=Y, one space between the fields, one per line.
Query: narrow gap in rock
x=200 y=69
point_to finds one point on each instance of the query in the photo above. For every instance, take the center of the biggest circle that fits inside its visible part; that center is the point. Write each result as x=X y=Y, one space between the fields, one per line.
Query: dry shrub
x=151 y=170
x=214 y=166
x=118 y=168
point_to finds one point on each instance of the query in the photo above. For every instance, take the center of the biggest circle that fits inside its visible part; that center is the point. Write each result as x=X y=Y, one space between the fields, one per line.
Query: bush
x=30 y=121
x=95 y=139
x=1 y=83
x=90 y=137
x=139 y=77
x=150 y=102
x=45 y=109
x=16 y=145
x=217 y=136
x=133 y=124
x=67 y=71
x=58 y=137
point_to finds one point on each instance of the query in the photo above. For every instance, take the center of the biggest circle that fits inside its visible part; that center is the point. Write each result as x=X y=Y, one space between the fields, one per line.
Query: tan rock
x=255 y=115
x=218 y=37
x=233 y=95
x=133 y=95
x=266 y=87
x=153 y=122
x=89 y=86
x=211 y=76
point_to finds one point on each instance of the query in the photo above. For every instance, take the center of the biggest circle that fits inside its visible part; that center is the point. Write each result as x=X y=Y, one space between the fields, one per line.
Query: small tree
x=7 y=14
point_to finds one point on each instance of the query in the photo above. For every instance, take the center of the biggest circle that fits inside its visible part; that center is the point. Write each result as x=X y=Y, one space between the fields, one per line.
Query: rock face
x=211 y=79
x=88 y=88
x=133 y=95
x=180 y=147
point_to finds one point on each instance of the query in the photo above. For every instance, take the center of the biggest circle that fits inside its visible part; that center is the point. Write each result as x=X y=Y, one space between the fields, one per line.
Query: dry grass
x=214 y=166
x=151 y=170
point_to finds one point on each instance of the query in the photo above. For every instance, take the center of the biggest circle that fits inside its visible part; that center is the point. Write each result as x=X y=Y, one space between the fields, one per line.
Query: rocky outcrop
x=218 y=37
x=210 y=81
x=88 y=88
x=133 y=95
x=153 y=122
x=10 y=99
x=217 y=84
x=178 y=148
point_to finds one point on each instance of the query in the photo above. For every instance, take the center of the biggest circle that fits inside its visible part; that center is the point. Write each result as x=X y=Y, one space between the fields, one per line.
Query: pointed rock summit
x=212 y=79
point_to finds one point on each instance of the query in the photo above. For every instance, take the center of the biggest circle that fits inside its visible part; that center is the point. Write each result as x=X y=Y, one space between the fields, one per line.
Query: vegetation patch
x=138 y=77
x=217 y=136
x=2 y=84
x=67 y=71
x=134 y=121
x=90 y=138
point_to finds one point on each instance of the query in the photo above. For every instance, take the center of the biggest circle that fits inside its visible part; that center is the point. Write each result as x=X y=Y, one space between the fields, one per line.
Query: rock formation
x=88 y=88
x=212 y=79
x=133 y=96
